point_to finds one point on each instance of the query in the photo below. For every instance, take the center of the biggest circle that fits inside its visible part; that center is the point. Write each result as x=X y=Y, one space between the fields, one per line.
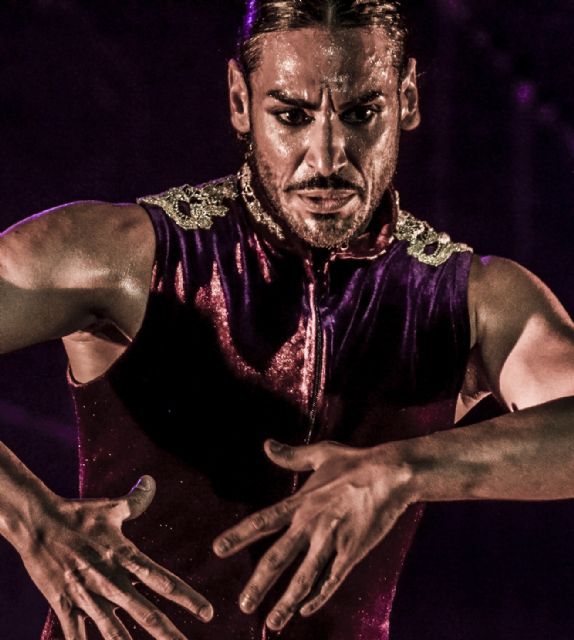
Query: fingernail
x=276 y=619
x=222 y=546
x=276 y=447
x=247 y=604
x=206 y=613
x=144 y=484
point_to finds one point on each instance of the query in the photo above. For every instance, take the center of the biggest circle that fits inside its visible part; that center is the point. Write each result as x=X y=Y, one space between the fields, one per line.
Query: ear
x=238 y=98
x=409 y=98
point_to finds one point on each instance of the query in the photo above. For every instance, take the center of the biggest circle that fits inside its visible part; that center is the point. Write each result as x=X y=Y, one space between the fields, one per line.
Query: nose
x=326 y=153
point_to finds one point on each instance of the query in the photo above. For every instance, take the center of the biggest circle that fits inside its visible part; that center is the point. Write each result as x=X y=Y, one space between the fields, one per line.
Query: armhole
x=159 y=225
x=472 y=317
x=461 y=313
x=463 y=281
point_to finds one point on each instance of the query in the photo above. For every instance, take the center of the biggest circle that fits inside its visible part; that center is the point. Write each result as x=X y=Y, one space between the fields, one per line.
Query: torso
x=92 y=351
x=241 y=340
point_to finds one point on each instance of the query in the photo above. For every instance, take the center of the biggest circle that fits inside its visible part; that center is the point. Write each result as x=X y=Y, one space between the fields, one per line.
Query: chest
x=329 y=339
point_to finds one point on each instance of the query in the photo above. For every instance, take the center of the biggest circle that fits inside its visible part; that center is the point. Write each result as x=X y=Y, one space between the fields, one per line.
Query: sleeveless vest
x=248 y=335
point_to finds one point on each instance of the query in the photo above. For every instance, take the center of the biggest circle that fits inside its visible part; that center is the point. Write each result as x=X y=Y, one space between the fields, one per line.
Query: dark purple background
x=113 y=100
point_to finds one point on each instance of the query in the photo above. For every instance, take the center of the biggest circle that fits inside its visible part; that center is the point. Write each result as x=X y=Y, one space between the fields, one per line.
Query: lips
x=320 y=201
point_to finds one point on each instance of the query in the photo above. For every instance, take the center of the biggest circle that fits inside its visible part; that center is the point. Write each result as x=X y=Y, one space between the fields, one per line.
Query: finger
x=131 y=505
x=255 y=527
x=305 y=458
x=339 y=571
x=102 y=614
x=140 y=497
x=73 y=625
x=108 y=624
x=149 y=617
x=164 y=583
x=269 y=568
x=349 y=554
x=320 y=551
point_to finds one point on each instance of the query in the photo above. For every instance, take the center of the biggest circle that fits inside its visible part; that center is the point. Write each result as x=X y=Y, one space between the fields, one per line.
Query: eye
x=293 y=117
x=360 y=115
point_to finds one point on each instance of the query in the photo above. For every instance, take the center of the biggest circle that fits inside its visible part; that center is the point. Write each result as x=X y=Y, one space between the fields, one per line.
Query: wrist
x=24 y=514
x=393 y=458
x=445 y=468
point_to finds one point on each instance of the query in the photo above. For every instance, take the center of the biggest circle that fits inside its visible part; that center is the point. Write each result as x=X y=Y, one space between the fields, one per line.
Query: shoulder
x=503 y=293
x=195 y=207
x=488 y=271
x=86 y=239
x=494 y=285
x=524 y=335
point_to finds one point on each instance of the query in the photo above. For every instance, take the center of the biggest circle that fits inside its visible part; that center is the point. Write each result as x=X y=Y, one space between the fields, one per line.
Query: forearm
x=23 y=498
x=526 y=455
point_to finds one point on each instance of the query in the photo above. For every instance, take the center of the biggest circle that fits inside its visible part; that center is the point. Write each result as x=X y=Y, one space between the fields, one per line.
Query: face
x=324 y=114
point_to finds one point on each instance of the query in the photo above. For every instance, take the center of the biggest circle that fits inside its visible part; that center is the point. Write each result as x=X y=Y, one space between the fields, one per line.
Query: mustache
x=325 y=182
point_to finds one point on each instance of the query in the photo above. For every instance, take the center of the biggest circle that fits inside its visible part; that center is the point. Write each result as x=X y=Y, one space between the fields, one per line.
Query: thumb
x=140 y=497
x=304 y=458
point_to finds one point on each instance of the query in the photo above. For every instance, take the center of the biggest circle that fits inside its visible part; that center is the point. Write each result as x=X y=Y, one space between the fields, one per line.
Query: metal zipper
x=317 y=369
x=266 y=634
x=318 y=362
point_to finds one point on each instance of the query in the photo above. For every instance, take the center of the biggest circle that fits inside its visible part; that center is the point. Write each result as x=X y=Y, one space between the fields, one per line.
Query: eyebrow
x=364 y=98
x=277 y=94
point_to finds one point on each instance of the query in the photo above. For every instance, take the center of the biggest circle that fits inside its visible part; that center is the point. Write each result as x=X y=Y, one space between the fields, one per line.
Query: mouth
x=319 y=201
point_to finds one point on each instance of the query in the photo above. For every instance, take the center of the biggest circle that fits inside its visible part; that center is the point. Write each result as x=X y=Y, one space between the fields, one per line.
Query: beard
x=324 y=231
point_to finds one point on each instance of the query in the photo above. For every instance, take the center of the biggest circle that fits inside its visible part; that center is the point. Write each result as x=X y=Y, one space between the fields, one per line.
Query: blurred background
x=112 y=100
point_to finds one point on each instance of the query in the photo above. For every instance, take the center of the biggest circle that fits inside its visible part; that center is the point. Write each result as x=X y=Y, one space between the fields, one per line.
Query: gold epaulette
x=195 y=207
x=424 y=243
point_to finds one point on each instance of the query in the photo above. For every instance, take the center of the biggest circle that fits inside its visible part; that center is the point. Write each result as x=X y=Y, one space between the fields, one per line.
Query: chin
x=325 y=243
x=324 y=230
x=330 y=236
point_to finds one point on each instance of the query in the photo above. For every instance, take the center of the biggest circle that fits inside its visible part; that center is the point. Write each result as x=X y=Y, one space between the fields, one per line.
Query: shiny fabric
x=245 y=338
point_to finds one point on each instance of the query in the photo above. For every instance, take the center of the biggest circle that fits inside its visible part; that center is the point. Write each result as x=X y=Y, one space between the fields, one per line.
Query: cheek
x=375 y=143
x=373 y=149
x=277 y=142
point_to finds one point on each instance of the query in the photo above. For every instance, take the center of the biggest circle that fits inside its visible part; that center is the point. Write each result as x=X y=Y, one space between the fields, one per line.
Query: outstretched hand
x=343 y=510
x=85 y=567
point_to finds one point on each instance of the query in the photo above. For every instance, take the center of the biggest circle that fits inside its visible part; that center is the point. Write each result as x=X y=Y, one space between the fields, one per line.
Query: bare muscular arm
x=69 y=267
x=62 y=273
x=523 y=344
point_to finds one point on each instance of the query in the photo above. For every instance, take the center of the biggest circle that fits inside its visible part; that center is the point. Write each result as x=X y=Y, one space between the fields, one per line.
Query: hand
x=85 y=567
x=344 y=509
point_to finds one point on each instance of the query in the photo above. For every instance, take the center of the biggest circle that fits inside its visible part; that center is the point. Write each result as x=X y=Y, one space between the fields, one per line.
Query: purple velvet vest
x=249 y=335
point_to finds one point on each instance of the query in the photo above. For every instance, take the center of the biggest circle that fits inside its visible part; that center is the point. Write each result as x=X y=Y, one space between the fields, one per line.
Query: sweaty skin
x=72 y=271
x=312 y=133
x=324 y=117
x=82 y=272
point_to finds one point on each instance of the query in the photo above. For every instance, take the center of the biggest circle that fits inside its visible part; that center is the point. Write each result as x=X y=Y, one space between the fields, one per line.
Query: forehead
x=309 y=60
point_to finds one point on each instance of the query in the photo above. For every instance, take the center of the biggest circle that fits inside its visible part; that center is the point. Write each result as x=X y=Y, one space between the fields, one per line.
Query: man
x=297 y=302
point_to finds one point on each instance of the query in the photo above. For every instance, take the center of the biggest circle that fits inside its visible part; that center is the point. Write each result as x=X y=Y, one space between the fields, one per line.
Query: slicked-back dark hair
x=267 y=16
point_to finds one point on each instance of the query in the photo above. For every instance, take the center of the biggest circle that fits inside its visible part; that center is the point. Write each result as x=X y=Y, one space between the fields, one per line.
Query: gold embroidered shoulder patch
x=425 y=244
x=195 y=207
